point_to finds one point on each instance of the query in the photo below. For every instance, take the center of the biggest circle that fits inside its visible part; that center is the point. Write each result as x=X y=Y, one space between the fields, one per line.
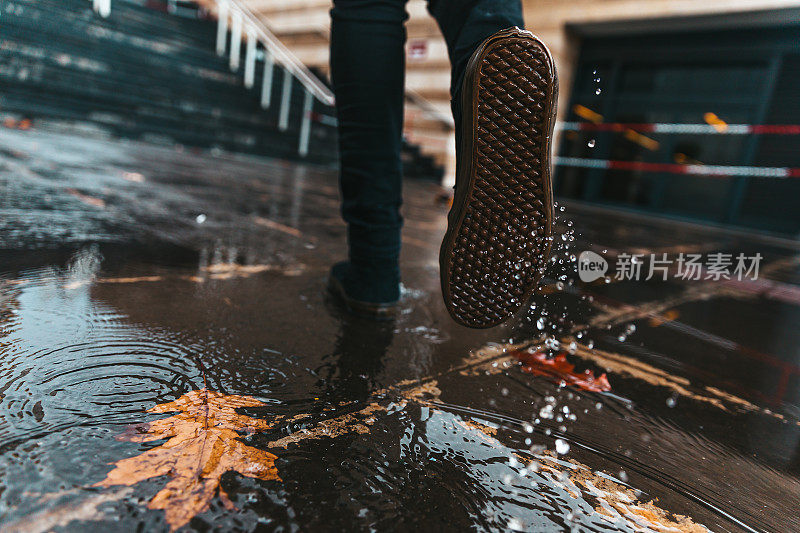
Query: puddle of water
x=77 y=372
x=87 y=348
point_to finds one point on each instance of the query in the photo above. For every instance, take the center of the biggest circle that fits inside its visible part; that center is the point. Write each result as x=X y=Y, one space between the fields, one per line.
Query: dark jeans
x=368 y=74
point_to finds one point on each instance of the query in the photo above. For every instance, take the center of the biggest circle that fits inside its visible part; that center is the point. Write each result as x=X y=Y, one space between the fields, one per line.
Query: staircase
x=141 y=73
x=149 y=70
x=303 y=27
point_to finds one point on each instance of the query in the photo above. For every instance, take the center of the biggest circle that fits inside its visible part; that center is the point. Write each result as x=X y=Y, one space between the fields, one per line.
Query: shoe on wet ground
x=499 y=228
x=370 y=292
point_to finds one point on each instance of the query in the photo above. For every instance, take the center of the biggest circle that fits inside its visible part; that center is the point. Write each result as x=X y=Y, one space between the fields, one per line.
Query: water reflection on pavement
x=131 y=275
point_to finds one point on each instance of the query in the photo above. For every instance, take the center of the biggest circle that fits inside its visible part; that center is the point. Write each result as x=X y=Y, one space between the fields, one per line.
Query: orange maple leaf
x=203 y=444
x=558 y=368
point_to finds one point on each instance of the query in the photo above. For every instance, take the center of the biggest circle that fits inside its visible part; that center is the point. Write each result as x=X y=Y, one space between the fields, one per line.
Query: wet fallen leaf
x=666 y=316
x=357 y=422
x=203 y=445
x=85 y=198
x=558 y=368
x=615 y=502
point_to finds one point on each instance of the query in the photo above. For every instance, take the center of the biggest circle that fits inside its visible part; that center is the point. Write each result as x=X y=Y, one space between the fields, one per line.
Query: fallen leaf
x=203 y=445
x=357 y=422
x=558 y=368
x=85 y=198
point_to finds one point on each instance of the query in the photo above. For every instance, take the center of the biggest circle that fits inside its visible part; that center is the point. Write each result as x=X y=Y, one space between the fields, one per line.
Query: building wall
x=549 y=19
x=303 y=26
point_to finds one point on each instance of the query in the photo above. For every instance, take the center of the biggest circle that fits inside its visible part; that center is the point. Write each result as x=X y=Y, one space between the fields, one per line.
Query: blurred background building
x=672 y=107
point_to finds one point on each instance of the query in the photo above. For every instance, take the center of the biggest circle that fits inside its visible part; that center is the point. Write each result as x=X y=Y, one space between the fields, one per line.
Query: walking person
x=503 y=90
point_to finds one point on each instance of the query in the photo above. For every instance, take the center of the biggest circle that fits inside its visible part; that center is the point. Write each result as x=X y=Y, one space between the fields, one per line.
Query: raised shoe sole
x=500 y=226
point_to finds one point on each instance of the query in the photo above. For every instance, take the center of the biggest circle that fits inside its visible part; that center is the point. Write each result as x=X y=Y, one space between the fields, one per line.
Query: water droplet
x=671 y=402
x=598 y=91
x=562 y=446
x=591 y=142
x=515 y=524
x=200 y=218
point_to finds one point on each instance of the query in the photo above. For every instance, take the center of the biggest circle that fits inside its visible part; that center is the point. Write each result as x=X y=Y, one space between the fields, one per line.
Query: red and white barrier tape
x=664 y=127
x=671 y=168
x=674 y=168
x=700 y=129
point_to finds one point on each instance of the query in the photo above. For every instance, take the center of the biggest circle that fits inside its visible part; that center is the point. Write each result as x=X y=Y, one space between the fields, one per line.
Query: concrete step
x=142 y=74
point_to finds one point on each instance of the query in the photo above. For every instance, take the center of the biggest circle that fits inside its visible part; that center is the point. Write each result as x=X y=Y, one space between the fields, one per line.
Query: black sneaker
x=499 y=228
x=369 y=292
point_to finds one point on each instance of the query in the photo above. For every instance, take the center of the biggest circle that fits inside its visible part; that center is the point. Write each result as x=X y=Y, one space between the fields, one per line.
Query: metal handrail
x=245 y=24
x=279 y=51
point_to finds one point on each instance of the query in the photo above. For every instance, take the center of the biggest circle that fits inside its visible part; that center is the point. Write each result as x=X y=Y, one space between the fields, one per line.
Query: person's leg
x=504 y=90
x=368 y=71
x=465 y=24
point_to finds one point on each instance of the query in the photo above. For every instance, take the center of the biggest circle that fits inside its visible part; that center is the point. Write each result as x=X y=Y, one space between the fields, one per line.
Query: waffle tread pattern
x=501 y=246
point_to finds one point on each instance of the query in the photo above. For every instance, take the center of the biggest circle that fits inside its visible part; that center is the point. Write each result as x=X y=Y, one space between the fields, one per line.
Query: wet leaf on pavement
x=203 y=444
x=558 y=368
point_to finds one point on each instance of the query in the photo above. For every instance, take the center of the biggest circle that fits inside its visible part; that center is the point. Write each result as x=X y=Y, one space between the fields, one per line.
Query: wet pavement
x=131 y=275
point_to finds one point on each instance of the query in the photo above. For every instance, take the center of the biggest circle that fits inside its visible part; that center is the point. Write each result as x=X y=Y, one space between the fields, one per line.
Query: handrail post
x=266 y=83
x=222 y=26
x=281 y=54
x=305 y=125
x=236 y=39
x=286 y=100
x=102 y=7
x=250 y=58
